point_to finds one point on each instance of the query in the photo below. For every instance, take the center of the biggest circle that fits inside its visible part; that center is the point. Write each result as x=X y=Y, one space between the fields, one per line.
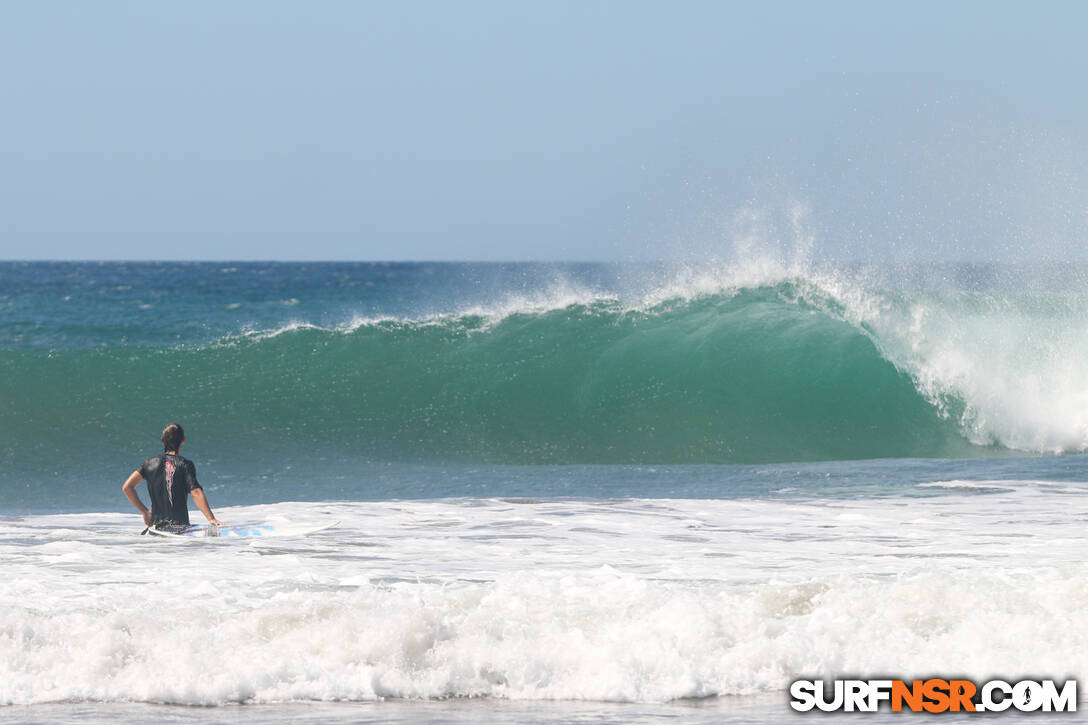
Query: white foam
x=983 y=486
x=626 y=600
x=1018 y=371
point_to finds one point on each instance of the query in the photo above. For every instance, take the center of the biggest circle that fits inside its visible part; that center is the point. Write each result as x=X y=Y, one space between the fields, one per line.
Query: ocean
x=599 y=493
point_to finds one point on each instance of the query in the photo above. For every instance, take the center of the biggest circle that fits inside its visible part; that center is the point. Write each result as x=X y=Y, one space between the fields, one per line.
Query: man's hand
x=201 y=502
x=129 y=488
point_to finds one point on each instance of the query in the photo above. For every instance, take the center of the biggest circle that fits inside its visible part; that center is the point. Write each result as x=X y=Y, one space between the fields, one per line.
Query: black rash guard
x=170 y=479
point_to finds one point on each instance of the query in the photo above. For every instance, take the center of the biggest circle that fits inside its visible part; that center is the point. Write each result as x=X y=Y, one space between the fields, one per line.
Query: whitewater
x=623 y=601
x=620 y=493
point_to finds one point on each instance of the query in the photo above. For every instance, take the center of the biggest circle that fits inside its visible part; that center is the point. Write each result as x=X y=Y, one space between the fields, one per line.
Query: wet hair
x=172 y=436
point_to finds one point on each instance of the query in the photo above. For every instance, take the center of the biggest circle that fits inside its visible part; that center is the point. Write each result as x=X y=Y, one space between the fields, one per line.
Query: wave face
x=781 y=366
x=723 y=378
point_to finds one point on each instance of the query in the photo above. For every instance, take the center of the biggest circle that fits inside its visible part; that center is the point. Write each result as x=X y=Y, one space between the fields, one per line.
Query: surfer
x=170 y=480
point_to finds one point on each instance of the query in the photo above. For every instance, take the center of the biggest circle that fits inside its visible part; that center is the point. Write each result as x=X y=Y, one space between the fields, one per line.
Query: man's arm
x=201 y=502
x=129 y=487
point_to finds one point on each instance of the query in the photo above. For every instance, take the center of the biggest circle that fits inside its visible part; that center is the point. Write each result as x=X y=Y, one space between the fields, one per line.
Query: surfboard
x=241 y=531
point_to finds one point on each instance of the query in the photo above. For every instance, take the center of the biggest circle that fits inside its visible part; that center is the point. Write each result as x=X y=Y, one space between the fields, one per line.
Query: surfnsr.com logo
x=933 y=695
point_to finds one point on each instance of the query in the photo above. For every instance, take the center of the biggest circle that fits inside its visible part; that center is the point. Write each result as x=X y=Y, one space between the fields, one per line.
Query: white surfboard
x=241 y=531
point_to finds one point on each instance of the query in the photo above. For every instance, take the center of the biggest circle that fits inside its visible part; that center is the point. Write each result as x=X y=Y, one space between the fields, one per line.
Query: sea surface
x=633 y=493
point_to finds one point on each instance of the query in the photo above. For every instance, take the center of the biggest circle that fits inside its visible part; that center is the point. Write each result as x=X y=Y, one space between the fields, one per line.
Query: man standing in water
x=170 y=479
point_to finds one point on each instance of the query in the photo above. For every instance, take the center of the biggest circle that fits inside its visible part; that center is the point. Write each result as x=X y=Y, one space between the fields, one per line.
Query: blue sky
x=541 y=130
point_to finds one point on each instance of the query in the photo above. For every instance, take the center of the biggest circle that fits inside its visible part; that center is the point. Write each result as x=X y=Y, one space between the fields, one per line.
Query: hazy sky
x=541 y=130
